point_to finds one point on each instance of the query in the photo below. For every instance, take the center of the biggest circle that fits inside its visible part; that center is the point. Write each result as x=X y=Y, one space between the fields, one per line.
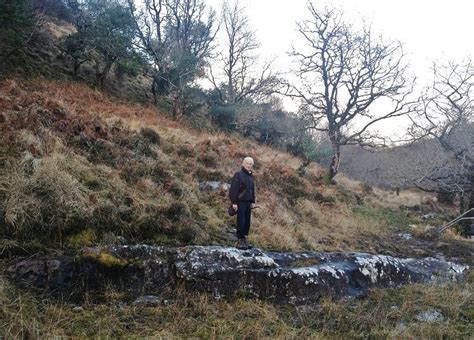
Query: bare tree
x=177 y=37
x=342 y=72
x=243 y=79
x=446 y=116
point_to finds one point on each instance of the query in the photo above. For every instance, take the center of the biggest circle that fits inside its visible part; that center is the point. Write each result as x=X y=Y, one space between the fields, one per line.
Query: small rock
x=213 y=186
x=432 y=315
x=77 y=309
x=428 y=216
x=405 y=236
x=121 y=240
x=148 y=301
x=307 y=309
x=401 y=326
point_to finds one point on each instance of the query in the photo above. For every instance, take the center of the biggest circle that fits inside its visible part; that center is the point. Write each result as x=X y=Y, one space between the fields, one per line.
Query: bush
x=186 y=151
x=167 y=225
x=224 y=116
x=366 y=188
x=135 y=170
x=151 y=135
x=209 y=159
x=131 y=66
x=102 y=151
x=140 y=145
x=311 y=149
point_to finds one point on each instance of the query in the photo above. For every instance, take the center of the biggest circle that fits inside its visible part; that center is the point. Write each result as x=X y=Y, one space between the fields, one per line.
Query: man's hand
x=253 y=206
x=235 y=207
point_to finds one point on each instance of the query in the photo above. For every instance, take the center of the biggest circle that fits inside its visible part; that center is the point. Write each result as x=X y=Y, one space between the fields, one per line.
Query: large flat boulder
x=293 y=277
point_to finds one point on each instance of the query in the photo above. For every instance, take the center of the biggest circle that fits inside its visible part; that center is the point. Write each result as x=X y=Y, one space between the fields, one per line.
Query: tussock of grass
x=43 y=198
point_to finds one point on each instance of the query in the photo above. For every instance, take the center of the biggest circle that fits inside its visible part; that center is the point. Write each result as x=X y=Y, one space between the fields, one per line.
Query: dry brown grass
x=129 y=183
x=388 y=198
x=42 y=192
x=386 y=313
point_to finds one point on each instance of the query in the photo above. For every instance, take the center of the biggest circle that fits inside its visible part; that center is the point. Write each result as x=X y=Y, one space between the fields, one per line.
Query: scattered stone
x=307 y=309
x=405 y=236
x=428 y=216
x=77 y=309
x=213 y=186
x=430 y=316
x=401 y=326
x=122 y=240
x=148 y=301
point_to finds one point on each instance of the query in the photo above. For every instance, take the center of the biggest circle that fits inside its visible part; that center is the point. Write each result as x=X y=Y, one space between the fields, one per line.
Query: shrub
x=176 y=211
x=167 y=224
x=108 y=217
x=186 y=151
x=209 y=159
x=102 y=151
x=151 y=135
x=135 y=170
x=174 y=188
x=224 y=116
x=367 y=188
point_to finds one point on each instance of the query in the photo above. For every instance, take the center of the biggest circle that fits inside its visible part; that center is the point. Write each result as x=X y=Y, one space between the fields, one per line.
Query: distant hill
x=403 y=167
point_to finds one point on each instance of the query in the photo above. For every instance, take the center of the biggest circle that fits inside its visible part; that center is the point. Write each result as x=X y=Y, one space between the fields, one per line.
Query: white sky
x=431 y=30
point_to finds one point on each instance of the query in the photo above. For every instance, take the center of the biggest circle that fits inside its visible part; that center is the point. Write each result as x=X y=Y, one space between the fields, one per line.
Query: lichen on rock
x=225 y=271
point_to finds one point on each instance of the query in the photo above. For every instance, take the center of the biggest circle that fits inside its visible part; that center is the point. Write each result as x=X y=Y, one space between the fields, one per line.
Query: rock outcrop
x=295 y=277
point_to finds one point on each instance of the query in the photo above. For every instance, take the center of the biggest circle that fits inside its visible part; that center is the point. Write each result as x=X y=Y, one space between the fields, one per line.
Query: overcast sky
x=431 y=30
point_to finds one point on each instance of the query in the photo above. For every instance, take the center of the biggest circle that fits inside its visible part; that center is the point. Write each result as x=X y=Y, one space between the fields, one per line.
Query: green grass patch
x=387 y=216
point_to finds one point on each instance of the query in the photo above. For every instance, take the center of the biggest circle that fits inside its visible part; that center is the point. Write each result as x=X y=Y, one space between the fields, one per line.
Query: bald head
x=247 y=163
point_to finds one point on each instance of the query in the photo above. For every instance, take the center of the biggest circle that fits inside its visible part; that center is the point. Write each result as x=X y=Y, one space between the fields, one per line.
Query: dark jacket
x=242 y=187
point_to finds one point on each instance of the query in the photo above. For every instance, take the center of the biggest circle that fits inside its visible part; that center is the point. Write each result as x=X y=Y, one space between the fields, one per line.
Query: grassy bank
x=81 y=168
x=389 y=313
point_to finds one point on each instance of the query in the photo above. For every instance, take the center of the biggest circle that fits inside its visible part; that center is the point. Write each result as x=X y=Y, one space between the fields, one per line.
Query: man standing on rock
x=242 y=196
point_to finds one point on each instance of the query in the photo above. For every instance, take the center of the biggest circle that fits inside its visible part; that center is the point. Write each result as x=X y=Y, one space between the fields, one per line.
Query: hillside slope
x=80 y=168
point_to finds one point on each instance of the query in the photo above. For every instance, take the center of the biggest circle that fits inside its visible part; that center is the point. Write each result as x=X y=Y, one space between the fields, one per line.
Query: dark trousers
x=243 y=219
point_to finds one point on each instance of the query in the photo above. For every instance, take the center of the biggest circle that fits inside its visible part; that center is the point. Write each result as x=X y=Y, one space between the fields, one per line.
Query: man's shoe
x=241 y=244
